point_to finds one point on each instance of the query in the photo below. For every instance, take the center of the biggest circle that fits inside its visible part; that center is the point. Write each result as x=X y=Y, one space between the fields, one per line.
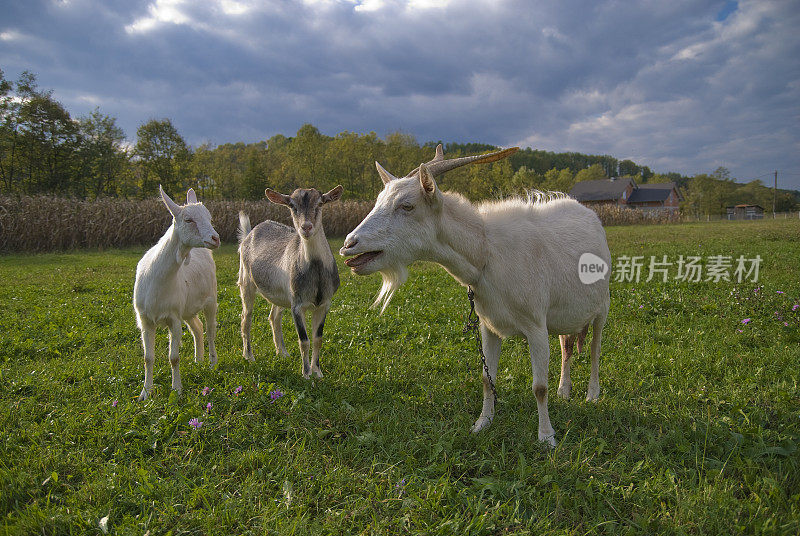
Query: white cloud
x=160 y=12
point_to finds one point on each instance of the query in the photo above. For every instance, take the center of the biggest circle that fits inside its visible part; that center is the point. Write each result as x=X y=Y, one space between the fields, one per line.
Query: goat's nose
x=215 y=239
x=350 y=242
x=307 y=226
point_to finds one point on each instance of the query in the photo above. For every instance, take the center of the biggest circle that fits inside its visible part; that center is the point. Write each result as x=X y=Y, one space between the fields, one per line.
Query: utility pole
x=774 y=194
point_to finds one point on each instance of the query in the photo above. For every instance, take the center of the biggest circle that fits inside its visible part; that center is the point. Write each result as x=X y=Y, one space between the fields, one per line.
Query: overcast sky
x=676 y=85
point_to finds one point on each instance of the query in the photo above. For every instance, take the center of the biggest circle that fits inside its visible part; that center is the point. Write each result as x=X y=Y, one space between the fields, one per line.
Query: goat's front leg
x=540 y=361
x=302 y=336
x=175 y=333
x=318 y=325
x=148 y=342
x=491 y=349
x=196 y=329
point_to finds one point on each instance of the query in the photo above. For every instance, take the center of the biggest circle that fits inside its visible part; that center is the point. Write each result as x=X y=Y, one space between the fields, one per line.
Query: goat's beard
x=393 y=278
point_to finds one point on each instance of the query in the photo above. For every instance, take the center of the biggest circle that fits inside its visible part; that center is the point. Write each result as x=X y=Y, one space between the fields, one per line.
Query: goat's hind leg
x=593 y=392
x=565 y=382
x=277 y=330
x=491 y=349
x=196 y=329
x=540 y=361
x=247 y=291
x=211 y=329
x=175 y=333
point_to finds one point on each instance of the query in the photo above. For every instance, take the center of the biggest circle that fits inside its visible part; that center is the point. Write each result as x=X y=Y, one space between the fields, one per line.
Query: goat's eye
x=189 y=220
x=408 y=207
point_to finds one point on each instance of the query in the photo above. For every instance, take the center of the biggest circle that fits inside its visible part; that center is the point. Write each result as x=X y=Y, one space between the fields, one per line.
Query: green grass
x=696 y=430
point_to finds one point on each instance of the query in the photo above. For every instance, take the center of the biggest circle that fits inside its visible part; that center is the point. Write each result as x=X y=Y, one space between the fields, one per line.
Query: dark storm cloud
x=684 y=86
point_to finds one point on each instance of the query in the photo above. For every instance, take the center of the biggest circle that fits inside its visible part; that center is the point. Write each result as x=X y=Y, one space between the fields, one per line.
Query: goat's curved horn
x=437 y=166
x=386 y=177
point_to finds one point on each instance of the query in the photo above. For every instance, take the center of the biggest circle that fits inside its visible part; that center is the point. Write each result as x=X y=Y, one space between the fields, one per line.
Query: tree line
x=44 y=150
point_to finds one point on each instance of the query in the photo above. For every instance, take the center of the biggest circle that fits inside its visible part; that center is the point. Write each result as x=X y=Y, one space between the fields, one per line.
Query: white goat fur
x=174 y=282
x=519 y=256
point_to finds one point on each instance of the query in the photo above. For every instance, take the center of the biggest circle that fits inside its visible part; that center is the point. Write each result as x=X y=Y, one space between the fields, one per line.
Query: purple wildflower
x=739 y=331
x=237 y=390
x=114 y=403
x=786 y=324
x=780 y=292
x=208 y=407
x=194 y=423
x=795 y=306
x=206 y=391
x=746 y=321
x=275 y=395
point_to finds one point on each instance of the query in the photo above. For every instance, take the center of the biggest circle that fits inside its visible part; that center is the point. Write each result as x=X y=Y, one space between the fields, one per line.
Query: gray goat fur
x=293 y=268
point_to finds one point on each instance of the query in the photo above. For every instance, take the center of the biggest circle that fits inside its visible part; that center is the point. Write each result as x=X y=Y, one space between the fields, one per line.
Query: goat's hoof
x=317 y=372
x=143 y=395
x=480 y=424
x=593 y=395
x=250 y=358
x=565 y=391
x=549 y=441
x=212 y=363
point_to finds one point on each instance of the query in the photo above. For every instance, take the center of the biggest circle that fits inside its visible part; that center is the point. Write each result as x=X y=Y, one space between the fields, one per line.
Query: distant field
x=696 y=430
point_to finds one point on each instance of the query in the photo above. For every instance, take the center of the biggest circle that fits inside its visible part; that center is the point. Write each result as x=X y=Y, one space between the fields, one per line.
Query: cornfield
x=56 y=224
x=612 y=214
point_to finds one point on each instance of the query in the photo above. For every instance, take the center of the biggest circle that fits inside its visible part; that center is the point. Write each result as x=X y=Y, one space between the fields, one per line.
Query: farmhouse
x=745 y=212
x=662 y=196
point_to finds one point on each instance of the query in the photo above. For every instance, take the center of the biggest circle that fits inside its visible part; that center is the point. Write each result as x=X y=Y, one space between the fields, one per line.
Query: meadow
x=696 y=430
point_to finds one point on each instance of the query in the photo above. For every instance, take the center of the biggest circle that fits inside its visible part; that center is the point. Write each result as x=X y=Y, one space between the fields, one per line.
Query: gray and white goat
x=520 y=256
x=175 y=280
x=292 y=268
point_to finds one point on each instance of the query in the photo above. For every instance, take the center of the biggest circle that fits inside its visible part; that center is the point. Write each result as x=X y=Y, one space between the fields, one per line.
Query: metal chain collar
x=473 y=321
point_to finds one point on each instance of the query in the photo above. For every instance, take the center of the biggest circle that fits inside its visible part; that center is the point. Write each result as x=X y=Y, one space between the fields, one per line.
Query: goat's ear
x=429 y=188
x=386 y=177
x=173 y=207
x=333 y=195
x=191 y=197
x=277 y=197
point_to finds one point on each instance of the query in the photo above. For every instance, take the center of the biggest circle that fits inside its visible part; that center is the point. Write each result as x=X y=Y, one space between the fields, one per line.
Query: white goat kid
x=521 y=258
x=174 y=282
x=292 y=268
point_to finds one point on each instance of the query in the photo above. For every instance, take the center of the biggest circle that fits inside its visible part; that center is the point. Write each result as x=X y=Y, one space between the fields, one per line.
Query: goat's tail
x=244 y=226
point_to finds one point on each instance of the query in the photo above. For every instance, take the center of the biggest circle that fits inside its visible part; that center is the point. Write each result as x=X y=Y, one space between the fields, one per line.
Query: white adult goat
x=521 y=258
x=174 y=283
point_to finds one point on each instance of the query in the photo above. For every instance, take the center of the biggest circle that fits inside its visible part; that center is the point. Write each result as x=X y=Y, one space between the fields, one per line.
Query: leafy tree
x=162 y=157
x=103 y=154
x=556 y=180
x=628 y=168
x=48 y=142
x=592 y=173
